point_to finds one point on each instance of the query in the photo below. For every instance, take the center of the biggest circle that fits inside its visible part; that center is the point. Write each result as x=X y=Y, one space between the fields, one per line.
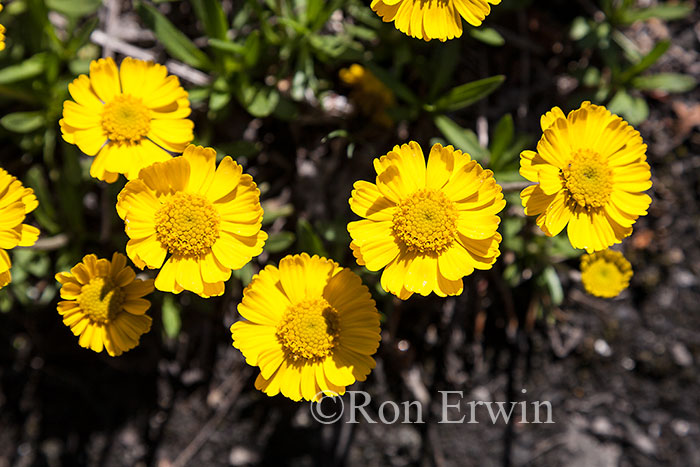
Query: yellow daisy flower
x=428 y=226
x=102 y=304
x=311 y=326
x=16 y=202
x=207 y=218
x=605 y=273
x=371 y=95
x=128 y=118
x=433 y=19
x=2 y=47
x=591 y=171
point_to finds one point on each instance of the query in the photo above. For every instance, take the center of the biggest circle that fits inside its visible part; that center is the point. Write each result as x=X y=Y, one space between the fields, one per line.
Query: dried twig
x=236 y=381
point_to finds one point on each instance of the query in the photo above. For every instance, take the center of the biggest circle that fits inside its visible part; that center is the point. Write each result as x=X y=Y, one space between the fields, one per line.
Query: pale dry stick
x=104 y=40
x=188 y=73
x=179 y=69
x=512 y=187
x=113 y=10
x=50 y=243
x=236 y=381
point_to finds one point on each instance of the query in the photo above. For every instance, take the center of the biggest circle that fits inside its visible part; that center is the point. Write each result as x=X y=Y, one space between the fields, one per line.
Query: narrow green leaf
x=212 y=17
x=556 y=292
x=31 y=67
x=501 y=140
x=461 y=138
x=669 y=82
x=279 y=241
x=488 y=36
x=174 y=41
x=252 y=49
x=445 y=59
x=649 y=59
x=227 y=46
x=308 y=240
x=667 y=12
x=466 y=94
x=23 y=122
x=171 y=316
x=74 y=8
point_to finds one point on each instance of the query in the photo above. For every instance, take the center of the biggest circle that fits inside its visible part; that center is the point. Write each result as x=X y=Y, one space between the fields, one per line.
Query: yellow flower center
x=100 y=299
x=426 y=221
x=126 y=119
x=588 y=179
x=309 y=330
x=187 y=225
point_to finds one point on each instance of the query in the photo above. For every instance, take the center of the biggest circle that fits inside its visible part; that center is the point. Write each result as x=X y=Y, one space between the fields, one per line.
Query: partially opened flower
x=103 y=305
x=433 y=19
x=128 y=118
x=605 y=273
x=16 y=202
x=428 y=227
x=591 y=171
x=370 y=95
x=311 y=326
x=206 y=218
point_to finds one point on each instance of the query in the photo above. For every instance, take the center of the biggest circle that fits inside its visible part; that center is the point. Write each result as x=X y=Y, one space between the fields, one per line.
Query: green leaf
x=279 y=241
x=502 y=139
x=396 y=86
x=461 y=138
x=171 y=316
x=227 y=46
x=308 y=240
x=245 y=274
x=665 y=12
x=488 y=36
x=634 y=109
x=23 y=122
x=174 y=41
x=74 y=8
x=551 y=279
x=252 y=49
x=445 y=59
x=260 y=101
x=649 y=59
x=31 y=67
x=466 y=94
x=669 y=82
x=212 y=17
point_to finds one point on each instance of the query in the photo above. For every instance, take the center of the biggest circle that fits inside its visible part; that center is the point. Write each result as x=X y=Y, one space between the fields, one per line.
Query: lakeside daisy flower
x=310 y=325
x=103 y=305
x=206 y=218
x=591 y=171
x=427 y=226
x=128 y=118
x=370 y=95
x=605 y=273
x=433 y=19
x=16 y=202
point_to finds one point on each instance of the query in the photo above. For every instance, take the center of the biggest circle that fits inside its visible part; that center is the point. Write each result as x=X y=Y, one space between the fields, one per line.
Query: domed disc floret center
x=126 y=119
x=426 y=221
x=101 y=300
x=309 y=330
x=187 y=225
x=588 y=179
